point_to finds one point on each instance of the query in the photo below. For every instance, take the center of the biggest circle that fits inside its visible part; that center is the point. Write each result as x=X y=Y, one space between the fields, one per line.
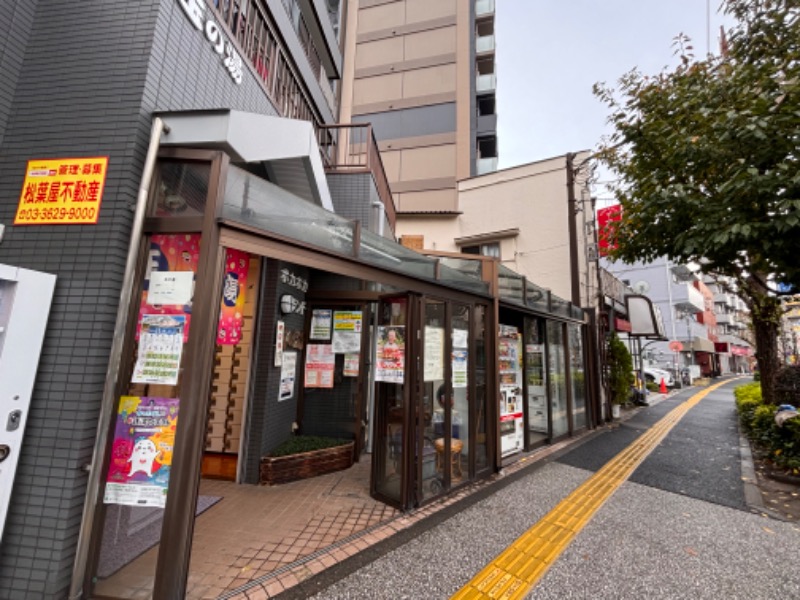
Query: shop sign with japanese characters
x=196 y=11
x=63 y=191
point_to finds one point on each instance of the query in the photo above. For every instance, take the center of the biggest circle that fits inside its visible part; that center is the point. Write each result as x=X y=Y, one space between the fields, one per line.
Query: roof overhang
x=491 y=236
x=287 y=147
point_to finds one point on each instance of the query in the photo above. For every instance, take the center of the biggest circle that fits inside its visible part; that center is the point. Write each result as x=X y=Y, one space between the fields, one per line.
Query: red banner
x=606 y=227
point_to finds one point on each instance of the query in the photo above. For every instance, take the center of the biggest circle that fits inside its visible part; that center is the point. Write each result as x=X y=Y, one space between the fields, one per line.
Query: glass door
x=556 y=372
x=436 y=403
x=577 y=376
x=391 y=464
x=538 y=418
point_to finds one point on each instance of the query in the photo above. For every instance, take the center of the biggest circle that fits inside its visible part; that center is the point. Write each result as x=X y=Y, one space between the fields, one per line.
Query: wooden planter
x=283 y=469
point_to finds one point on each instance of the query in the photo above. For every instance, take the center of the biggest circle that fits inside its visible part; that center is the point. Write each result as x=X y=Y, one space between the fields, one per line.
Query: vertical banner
x=607 y=219
x=390 y=351
x=169 y=279
x=234 y=286
x=288 y=373
x=141 y=453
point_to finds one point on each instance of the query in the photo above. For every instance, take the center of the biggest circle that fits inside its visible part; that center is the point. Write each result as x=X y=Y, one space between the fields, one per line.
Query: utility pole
x=573 y=230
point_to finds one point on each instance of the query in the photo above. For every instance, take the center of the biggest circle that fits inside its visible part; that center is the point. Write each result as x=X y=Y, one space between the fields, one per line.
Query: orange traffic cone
x=663 y=387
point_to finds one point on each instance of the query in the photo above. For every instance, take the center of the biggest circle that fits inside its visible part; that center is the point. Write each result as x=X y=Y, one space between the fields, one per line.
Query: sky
x=549 y=54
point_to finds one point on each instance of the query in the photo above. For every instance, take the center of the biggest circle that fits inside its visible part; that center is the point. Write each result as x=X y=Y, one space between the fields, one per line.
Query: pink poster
x=234 y=286
x=169 y=277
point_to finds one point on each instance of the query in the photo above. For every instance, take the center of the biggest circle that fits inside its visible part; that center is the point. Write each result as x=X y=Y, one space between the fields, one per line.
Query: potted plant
x=303 y=456
x=620 y=374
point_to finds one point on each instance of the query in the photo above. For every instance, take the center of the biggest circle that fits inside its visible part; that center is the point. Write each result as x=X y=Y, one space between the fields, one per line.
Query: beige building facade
x=422 y=73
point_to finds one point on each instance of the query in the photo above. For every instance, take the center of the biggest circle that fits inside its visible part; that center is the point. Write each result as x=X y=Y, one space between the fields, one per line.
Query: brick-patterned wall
x=84 y=79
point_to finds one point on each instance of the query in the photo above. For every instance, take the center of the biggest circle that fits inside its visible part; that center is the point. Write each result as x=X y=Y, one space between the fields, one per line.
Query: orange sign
x=62 y=191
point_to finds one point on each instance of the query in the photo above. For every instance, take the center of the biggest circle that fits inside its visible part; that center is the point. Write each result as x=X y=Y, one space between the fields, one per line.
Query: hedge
x=758 y=422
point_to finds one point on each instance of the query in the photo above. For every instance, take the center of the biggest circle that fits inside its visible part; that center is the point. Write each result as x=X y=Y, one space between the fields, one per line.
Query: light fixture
x=288 y=304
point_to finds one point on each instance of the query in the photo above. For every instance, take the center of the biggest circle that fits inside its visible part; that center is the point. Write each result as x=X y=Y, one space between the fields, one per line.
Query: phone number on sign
x=74 y=213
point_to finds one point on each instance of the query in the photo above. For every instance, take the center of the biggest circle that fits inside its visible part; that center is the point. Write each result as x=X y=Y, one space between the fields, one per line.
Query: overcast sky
x=550 y=53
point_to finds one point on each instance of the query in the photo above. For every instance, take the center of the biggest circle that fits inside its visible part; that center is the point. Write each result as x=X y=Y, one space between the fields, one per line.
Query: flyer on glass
x=320 y=361
x=160 y=347
x=351 y=365
x=141 y=453
x=321 y=324
x=434 y=353
x=390 y=354
x=346 y=331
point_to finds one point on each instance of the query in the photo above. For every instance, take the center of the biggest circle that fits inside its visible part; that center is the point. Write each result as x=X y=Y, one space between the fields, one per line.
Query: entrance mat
x=130 y=531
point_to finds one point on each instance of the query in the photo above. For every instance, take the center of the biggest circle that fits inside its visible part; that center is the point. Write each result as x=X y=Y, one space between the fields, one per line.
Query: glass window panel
x=259 y=203
x=462 y=280
x=577 y=376
x=436 y=401
x=481 y=441
x=460 y=370
x=179 y=188
x=557 y=377
x=510 y=284
x=379 y=251
x=536 y=297
x=536 y=381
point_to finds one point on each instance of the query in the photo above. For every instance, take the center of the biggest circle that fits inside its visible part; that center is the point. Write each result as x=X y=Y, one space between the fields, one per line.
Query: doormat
x=131 y=531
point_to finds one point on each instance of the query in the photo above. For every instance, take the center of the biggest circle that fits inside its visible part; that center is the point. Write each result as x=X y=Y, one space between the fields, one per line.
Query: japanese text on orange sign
x=64 y=191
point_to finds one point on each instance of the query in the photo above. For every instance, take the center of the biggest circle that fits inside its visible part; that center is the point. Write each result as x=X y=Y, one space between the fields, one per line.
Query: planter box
x=283 y=469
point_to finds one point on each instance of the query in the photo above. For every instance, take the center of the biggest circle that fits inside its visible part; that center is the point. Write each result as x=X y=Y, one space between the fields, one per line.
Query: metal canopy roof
x=287 y=147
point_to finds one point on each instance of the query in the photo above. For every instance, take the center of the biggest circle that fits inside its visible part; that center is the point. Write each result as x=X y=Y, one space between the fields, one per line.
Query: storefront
x=543 y=390
x=254 y=313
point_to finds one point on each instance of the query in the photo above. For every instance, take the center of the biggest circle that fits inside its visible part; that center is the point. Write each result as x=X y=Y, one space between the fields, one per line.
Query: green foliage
x=620 y=370
x=782 y=444
x=787 y=385
x=707 y=162
x=306 y=443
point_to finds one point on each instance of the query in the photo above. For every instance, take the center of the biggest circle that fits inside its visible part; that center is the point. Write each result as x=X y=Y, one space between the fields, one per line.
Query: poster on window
x=346 y=331
x=160 y=346
x=351 y=365
x=320 y=361
x=321 y=324
x=390 y=354
x=169 y=279
x=141 y=452
x=434 y=354
x=234 y=287
x=459 y=368
x=288 y=373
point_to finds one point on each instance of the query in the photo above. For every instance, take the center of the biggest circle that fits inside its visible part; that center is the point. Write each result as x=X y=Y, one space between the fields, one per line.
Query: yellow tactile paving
x=517 y=569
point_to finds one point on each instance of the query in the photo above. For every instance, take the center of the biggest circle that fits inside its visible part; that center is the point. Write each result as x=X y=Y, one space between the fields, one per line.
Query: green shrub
x=298 y=444
x=762 y=425
x=787 y=385
x=652 y=386
x=620 y=370
x=782 y=444
x=748 y=398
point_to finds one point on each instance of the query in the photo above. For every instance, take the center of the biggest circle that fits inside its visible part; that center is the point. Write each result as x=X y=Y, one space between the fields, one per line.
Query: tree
x=620 y=371
x=709 y=165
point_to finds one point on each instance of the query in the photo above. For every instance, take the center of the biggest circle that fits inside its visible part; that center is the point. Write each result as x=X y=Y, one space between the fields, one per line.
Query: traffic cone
x=663 y=387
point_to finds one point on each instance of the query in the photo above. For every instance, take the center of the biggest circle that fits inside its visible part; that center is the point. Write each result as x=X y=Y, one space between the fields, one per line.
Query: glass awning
x=258 y=203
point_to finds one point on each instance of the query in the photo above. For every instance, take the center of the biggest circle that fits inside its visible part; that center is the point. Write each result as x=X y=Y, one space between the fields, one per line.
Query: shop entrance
x=428 y=410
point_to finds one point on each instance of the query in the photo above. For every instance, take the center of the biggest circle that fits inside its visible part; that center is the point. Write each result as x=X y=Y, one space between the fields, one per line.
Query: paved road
x=678 y=528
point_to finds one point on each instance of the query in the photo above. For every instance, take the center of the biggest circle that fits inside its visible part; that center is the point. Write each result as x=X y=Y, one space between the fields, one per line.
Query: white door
x=25 y=298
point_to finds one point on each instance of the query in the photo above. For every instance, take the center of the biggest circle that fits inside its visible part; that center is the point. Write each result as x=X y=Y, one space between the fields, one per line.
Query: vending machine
x=25 y=298
x=512 y=433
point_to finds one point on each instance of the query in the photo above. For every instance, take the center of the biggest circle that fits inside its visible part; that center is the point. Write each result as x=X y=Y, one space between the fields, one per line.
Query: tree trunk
x=766 y=337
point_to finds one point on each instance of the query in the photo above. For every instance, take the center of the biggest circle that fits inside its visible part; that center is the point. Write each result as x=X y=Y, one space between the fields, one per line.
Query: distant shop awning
x=702 y=345
x=287 y=148
x=722 y=347
x=622 y=325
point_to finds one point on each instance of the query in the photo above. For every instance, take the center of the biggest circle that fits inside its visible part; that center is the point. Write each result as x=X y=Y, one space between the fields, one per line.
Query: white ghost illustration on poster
x=142 y=457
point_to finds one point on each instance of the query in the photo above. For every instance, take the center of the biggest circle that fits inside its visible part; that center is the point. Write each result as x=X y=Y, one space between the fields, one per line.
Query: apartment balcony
x=485 y=165
x=726 y=319
x=724 y=298
x=687 y=299
x=485 y=83
x=351 y=148
x=484 y=8
x=484 y=43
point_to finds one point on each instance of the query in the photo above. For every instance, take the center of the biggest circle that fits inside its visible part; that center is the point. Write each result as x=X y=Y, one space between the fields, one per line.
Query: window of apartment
x=487 y=147
x=486 y=105
x=488 y=249
x=485 y=65
x=484 y=27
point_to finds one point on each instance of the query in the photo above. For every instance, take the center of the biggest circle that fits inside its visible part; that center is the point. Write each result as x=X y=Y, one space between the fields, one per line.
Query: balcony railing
x=485 y=165
x=484 y=7
x=484 y=43
x=352 y=149
x=688 y=299
x=485 y=83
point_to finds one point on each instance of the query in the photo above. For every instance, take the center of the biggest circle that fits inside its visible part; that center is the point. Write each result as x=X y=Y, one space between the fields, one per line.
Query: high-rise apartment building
x=423 y=74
